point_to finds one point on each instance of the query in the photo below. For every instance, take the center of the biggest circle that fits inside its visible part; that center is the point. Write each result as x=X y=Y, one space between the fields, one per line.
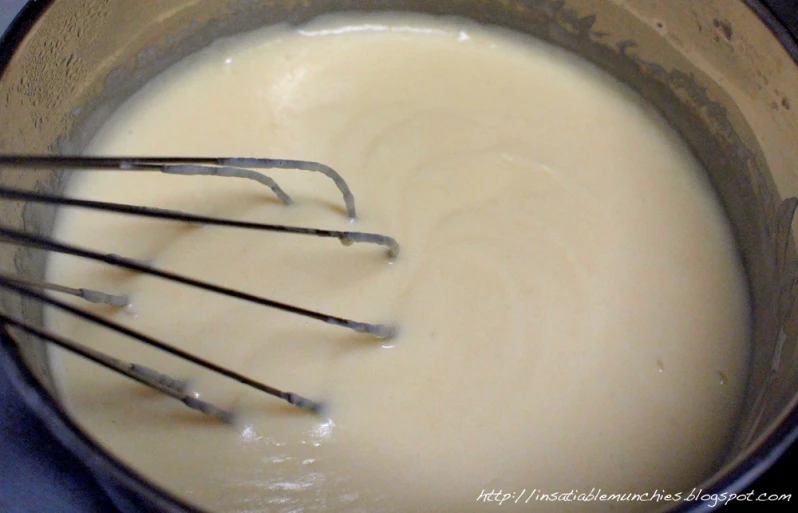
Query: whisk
x=245 y=168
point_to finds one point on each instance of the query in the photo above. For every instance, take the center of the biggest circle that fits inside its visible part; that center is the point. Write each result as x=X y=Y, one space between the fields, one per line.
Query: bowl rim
x=107 y=470
x=112 y=472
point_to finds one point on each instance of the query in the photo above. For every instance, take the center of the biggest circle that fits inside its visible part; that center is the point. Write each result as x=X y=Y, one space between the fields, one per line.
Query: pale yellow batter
x=573 y=314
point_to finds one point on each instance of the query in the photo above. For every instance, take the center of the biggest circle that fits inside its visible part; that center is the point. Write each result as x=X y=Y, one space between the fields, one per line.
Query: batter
x=572 y=311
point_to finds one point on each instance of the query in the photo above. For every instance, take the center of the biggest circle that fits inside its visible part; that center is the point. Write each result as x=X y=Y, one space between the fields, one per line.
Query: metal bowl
x=723 y=72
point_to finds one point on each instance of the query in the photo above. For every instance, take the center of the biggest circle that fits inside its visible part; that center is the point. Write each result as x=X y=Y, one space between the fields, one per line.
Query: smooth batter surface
x=572 y=311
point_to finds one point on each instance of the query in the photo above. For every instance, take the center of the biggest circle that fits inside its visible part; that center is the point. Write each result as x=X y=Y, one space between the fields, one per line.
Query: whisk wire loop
x=346 y=237
x=228 y=167
x=9 y=234
x=238 y=167
x=143 y=375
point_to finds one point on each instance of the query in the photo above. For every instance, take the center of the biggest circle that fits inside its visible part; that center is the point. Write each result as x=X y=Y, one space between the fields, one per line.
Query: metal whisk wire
x=229 y=167
x=234 y=167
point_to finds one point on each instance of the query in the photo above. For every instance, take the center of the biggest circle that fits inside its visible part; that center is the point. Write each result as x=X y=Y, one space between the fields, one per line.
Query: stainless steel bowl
x=721 y=71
